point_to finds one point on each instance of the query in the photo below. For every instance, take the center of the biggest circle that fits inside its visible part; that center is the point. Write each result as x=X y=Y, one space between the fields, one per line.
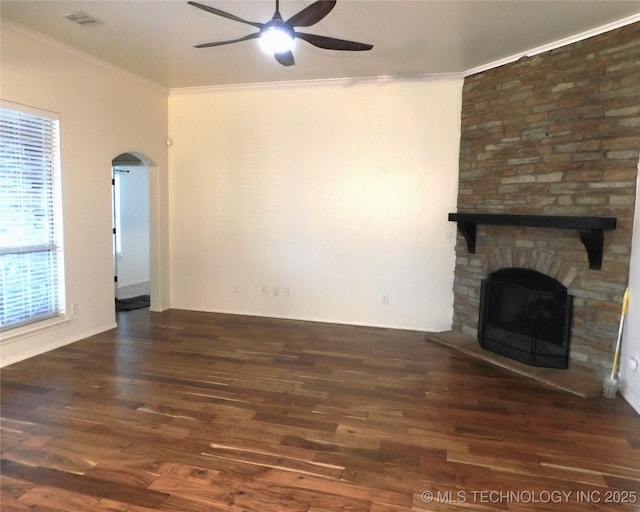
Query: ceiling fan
x=276 y=36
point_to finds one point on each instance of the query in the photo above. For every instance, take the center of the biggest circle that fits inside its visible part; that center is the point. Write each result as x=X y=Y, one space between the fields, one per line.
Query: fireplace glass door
x=526 y=315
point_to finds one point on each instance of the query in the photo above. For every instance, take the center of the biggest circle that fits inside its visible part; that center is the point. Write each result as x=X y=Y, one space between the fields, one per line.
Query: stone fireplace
x=556 y=134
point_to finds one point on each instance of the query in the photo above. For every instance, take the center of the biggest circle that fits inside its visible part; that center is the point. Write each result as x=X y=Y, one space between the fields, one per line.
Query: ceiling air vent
x=82 y=18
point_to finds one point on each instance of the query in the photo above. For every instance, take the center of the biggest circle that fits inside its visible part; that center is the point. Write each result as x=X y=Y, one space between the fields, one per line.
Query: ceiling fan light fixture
x=277 y=36
x=276 y=39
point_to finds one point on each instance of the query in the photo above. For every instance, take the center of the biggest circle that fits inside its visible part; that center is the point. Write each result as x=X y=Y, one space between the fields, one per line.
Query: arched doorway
x=137 y=267
x=131 y=223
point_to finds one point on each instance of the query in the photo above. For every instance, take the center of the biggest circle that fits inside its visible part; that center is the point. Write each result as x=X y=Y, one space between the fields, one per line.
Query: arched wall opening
x=133 y=158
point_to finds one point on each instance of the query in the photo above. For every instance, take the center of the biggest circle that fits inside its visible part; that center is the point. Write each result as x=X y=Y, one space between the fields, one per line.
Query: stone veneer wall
x=558 y=134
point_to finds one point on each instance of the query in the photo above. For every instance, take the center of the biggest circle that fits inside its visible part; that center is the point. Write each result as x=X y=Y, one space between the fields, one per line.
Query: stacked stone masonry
x=557 y=134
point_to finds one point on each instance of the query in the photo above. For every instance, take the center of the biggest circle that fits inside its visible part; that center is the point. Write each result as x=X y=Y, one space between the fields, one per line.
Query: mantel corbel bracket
x=593 y=241
x=468 y=231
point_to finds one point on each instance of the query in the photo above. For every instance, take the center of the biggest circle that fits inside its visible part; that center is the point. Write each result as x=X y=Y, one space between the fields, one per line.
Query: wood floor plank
x=185 y=411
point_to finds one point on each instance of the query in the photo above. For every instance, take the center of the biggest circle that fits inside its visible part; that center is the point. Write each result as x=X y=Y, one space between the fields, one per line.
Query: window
x=31 y=257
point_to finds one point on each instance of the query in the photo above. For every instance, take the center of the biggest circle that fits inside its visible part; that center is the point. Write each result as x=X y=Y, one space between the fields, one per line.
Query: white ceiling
x=155 y=39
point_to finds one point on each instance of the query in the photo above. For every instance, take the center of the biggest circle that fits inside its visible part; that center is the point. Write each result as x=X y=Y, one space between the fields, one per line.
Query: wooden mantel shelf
x=591 y=228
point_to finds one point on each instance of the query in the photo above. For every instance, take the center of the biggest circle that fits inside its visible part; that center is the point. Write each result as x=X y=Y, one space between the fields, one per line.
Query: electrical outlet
x=276 y=291
x=285 y=291
x=385 y=299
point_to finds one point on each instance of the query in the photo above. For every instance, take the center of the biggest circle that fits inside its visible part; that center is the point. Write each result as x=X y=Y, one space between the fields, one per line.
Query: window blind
x=31 y=258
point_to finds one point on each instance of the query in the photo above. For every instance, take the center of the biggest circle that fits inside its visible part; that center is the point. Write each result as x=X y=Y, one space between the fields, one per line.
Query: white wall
x=336 y=192
x=630 y=380
x=104 y=113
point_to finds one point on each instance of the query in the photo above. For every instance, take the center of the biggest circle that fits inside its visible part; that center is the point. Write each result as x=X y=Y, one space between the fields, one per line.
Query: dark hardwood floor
x=185 y=411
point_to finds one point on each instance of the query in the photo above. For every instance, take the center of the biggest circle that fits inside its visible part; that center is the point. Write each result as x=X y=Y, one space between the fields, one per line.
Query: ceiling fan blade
x=220 y=43
x=311 y=14
x=285 y=58
x=224 y=14
x=331 y=43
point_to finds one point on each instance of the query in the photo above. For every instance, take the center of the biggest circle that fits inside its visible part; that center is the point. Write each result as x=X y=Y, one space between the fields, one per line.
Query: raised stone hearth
x=567 y=380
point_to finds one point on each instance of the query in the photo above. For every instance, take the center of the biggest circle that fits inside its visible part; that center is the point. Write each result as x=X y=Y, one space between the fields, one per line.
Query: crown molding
x=324 y=82
x=70 y=50
x=556 y=44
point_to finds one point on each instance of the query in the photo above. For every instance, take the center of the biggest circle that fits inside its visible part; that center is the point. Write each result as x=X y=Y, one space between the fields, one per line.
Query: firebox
x=526 y=315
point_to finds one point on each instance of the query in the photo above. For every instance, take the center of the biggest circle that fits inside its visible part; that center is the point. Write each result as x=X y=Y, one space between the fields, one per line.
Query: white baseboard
x=29 y=352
